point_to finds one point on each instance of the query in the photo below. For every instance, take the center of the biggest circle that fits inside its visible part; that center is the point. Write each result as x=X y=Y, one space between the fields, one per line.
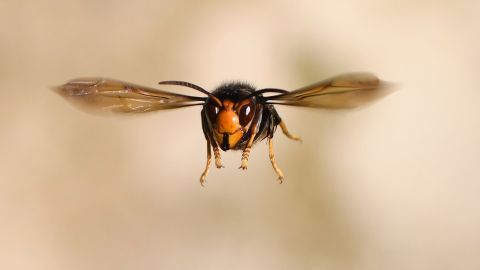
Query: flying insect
x=234 y=116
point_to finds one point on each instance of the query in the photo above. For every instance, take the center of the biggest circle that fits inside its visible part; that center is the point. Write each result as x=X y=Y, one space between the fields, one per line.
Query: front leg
x=254 y=129
x=246 y=152
x=207 y=166
x=218 y=158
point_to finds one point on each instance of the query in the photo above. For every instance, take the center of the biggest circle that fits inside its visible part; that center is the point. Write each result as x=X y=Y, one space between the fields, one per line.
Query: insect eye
x=212 y=111
x=245 y=114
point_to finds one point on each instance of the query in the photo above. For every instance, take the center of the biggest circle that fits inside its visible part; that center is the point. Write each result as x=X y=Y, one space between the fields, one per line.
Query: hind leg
x=287 y=133
x=277 y=121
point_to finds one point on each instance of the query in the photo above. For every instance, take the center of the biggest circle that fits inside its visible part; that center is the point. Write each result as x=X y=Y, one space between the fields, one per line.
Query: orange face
x=230 y=122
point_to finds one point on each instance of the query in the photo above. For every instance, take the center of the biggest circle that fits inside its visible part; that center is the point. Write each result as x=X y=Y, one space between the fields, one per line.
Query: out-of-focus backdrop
x=393 y=186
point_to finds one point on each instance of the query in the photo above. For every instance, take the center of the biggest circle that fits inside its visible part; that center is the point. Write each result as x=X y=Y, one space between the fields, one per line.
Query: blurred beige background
x=392 y=186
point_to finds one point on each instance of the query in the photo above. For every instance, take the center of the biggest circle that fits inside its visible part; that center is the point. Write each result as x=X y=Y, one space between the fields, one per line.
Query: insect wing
x=117 y=96
x=341 y=92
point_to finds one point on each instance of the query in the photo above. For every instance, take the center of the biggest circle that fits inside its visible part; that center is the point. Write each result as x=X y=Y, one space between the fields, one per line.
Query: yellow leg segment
x=203 y=178
x=274 y=163
x=288 y=134
x=218 y=159
x=246 y=153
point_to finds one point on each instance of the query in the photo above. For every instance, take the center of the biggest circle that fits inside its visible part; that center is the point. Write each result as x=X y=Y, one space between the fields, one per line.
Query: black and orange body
x=241 y=115
x=235 y=115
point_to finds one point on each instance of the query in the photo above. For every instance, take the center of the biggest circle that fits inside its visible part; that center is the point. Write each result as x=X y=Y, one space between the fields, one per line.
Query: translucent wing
x=118 y=96
x=344 y=91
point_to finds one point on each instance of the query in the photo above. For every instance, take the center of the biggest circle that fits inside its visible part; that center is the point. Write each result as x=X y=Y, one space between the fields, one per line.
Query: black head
x=231 y=121
x=234 y=91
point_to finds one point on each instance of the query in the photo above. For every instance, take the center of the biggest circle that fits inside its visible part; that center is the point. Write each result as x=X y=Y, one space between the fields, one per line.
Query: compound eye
x=212 y=111
x=246 y=114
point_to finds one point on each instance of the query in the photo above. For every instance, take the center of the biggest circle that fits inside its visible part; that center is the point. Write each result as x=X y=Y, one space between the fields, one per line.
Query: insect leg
x=272 y=159
x=277 y=120
x=288 y=134
x=207 y=131
x=207 y=167
x=254 y=129
x=246 y=153
x=218 y=159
